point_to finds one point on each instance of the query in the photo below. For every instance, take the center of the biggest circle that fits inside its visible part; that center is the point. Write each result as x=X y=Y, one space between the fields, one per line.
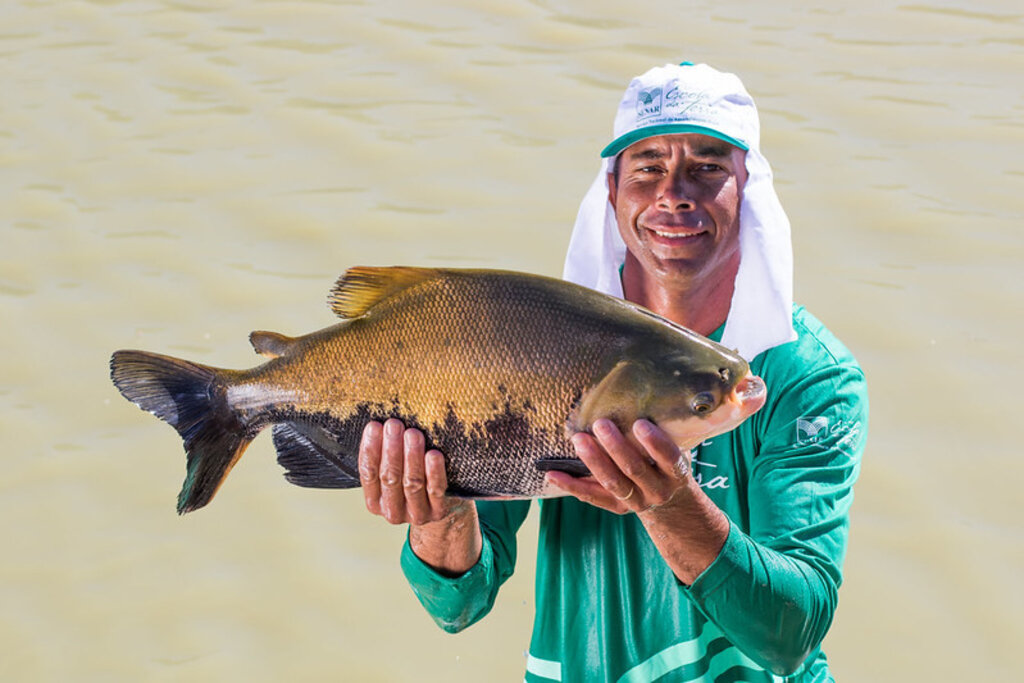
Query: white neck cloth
x=715 y=103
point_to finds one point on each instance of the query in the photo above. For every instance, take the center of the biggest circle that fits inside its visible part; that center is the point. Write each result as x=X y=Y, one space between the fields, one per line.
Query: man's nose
x=676 y=193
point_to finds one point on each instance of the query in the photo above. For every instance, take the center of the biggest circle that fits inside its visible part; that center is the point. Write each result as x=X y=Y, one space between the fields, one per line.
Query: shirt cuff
x=453 y=602
x=732 y=556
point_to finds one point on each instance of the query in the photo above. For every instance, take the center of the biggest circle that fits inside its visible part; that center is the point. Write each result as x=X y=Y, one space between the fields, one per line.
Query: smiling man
x=676 y=201
x=718 y=565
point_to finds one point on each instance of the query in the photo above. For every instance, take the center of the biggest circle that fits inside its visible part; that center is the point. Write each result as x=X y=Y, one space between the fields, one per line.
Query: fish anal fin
x=312 y=458
x=271 y=344
x=362 y=287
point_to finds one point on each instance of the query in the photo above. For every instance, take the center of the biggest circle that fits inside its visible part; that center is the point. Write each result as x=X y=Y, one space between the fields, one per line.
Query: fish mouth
x=745 y=399
x=751 y=393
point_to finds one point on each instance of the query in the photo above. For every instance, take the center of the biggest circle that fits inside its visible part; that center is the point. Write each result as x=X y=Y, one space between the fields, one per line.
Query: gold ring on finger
x=629 y=495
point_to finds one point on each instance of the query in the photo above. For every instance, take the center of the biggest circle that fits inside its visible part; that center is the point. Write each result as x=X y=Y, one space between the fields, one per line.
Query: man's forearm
x=689 y=531
x=779 y=608
x=452 y=545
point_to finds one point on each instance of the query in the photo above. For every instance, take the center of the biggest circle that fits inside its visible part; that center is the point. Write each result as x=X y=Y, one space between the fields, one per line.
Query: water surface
x=176 y=174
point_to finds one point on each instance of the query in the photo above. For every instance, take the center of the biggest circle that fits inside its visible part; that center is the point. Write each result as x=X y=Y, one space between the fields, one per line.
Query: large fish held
x=498 y=369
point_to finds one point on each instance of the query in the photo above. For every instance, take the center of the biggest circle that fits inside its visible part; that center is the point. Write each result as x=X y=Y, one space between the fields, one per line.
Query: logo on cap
x=682 y=105
x=648 y=104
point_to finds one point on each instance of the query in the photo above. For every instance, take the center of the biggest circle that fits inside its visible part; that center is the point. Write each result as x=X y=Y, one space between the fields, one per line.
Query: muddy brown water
x=176 y=174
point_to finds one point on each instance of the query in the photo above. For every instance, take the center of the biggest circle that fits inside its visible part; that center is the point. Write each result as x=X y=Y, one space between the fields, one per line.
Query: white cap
x=698 y=99
x=685 y=99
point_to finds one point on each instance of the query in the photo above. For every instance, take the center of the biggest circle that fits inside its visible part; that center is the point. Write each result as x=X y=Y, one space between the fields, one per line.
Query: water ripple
x=963 y=13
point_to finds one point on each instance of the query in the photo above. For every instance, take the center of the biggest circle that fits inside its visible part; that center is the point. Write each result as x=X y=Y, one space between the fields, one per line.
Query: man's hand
x=626 y=478
x=401 y=482
x=651 y=478
x=404 y=484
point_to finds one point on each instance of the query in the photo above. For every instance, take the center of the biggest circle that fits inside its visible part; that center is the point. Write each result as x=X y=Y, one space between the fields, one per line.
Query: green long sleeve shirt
x=608 y=608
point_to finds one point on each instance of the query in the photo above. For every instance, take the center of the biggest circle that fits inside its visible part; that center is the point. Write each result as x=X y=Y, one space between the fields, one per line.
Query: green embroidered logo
x=648 y=104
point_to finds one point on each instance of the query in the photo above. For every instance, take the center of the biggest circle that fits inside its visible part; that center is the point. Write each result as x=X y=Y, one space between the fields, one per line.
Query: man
x=716 y=565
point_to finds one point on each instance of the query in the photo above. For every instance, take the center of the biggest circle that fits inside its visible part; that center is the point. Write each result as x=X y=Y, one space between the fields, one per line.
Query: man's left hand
x=628 y=476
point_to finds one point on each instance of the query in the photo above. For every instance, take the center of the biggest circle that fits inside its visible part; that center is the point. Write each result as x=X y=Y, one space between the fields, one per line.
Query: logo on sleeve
x=811 y=429
x=818 y=430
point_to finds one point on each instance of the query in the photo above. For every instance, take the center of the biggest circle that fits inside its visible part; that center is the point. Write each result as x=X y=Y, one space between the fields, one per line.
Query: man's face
x=677 y=204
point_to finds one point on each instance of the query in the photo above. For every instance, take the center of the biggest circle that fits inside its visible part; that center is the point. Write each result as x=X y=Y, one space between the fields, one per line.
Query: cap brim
x=623 y=141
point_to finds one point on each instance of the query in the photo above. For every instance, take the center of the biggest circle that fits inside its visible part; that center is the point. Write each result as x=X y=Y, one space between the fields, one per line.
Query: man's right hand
x=401 y=482
x=404 y=483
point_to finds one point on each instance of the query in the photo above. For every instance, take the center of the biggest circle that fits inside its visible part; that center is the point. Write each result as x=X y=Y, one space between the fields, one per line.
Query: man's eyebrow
x=648 y=154
x=710 y=150
x=714 y=150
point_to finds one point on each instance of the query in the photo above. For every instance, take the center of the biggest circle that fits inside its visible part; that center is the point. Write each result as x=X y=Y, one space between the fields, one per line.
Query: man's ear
x=612 y=189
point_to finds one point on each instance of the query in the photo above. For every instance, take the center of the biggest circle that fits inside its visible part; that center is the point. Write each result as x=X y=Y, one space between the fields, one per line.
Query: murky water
x=175 y=174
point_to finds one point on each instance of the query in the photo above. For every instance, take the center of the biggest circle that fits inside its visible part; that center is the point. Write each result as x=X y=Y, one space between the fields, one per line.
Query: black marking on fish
x=495 y=457
x=509 y=426
x=505 y=448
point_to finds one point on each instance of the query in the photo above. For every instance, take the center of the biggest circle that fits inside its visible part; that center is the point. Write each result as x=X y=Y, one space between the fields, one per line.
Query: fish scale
x=497 y=369
x=491 y=403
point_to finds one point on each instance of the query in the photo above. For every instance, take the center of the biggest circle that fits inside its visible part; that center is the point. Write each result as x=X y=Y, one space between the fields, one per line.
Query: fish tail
x=191 y=398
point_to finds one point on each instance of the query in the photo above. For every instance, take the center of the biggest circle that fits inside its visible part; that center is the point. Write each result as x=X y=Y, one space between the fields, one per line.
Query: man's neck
x=702 y=309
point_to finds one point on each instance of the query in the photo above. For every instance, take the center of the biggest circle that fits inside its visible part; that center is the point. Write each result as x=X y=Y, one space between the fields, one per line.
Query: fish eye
x=703 y=402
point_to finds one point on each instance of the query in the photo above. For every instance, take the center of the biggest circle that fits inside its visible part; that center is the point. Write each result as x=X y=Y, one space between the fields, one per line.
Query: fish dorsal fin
x=362 y=287
x=271 y=344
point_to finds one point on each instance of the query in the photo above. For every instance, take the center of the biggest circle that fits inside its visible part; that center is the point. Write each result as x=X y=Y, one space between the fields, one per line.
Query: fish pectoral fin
x=313 y=460
x=573 y=466
x=362 y=287
x=619 y=396
x=271 y=344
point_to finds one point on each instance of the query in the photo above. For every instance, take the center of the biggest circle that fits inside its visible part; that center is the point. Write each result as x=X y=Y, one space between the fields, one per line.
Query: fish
x=498 y=369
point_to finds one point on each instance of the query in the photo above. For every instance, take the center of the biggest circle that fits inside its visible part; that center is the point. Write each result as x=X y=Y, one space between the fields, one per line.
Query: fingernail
x=643 y=427
x=603 y=427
